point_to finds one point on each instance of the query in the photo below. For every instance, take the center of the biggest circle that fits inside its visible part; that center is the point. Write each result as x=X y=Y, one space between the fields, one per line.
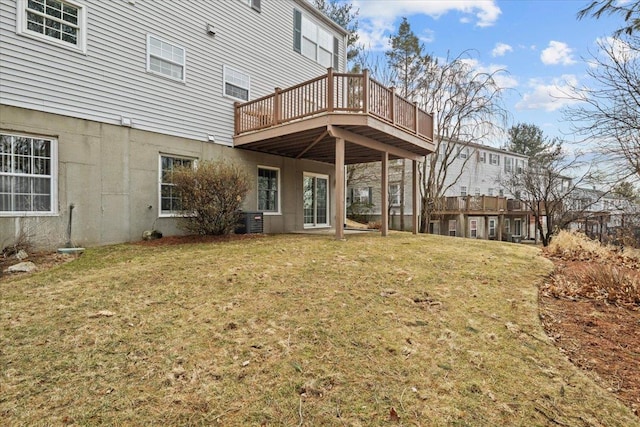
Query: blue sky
x=539 y=43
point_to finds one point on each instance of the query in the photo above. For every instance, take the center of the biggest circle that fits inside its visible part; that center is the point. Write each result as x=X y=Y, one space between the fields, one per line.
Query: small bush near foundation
x=211 y=196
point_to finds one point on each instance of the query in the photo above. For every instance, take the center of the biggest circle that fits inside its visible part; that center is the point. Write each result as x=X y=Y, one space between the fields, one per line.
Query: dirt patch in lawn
x=595 y=323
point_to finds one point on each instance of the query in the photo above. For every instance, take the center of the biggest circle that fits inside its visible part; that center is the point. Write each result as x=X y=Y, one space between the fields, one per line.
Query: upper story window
x=314 y=41
x=494 y=159
x=170 y=204
x=255 y=5
x=519 y=165
x=62 y=22
x=236 y=83
x=166 y=59
x=28 y=174
x=482 y=156
x=508 y=164
x=463 y=190
x=463 y=153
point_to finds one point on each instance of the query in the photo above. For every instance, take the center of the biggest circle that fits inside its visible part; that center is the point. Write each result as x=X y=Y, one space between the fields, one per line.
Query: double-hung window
x=314 y=41
x=170 y=203
x=236 y=83
x=268 y=189
x=508 y=164
x=494 y=159
x=166 y=59
x=394 y=194
x=61 y=22
x=28 y=174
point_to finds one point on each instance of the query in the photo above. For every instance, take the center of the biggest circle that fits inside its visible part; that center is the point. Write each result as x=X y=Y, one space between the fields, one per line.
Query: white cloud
x=549 y=96
x=377 y=17
x=620 y=49
x=501 y=49
x=557 y=53
x=502 y=78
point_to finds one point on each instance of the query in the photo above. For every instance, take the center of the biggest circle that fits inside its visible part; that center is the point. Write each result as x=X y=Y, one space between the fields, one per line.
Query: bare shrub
x=613 y=284
x=21 y=242
x=576 y=245
x=211 y=196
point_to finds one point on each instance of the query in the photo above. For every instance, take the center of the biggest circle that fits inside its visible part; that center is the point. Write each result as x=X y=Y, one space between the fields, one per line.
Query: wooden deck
x=479 y=205
x=303 y=121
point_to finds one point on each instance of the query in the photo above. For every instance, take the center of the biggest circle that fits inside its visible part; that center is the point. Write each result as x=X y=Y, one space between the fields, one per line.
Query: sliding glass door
x=315 y=200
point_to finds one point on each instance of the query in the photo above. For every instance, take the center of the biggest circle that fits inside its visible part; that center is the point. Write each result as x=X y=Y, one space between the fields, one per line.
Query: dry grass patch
x=291 y=330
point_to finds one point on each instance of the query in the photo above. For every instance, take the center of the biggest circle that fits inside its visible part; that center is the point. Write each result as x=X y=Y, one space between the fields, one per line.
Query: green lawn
x=292 y=330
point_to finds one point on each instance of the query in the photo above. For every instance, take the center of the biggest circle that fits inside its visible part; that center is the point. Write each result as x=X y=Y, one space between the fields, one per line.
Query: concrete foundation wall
x=110 y=174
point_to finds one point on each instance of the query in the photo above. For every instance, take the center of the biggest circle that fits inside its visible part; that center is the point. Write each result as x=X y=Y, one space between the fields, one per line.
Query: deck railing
x=334 y=92
x=479 y=204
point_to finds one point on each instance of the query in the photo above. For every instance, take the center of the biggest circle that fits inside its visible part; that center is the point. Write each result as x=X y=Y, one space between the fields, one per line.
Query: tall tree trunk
x=402 y=181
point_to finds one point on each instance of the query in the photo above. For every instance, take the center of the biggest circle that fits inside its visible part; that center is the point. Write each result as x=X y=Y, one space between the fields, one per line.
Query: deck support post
x=414 y=195
x=486 y=226
x=384 y=203
x=339 y=193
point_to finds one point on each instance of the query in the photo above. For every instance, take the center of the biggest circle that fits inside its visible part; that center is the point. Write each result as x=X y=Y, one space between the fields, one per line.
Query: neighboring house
x=100 y=100
x=475 y=204
x=601 y=215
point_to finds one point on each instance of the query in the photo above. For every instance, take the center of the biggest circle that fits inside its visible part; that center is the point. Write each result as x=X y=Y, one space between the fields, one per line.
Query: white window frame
x=182 y=63
x=170 y=214
x=453 y=225
x=494 y=159
x=278 y=211
x=313 y=34
x=53 y=176
x=394 y=194
x=254 y=4
x=234 y=77
x=22 y=27
x=473 y=228
x=490 y=192
x=508 y=164
x=463 y=153
x=517 y=227
x=482 y=156
x=317 y=176
x=463 y=191
x=492 y=227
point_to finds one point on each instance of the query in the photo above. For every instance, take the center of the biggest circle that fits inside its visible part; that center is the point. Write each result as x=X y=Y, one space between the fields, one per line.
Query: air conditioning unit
x=250 y=223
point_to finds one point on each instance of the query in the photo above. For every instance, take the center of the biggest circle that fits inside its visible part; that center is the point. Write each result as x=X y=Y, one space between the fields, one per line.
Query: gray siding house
x=475 y=203
x=99 y=100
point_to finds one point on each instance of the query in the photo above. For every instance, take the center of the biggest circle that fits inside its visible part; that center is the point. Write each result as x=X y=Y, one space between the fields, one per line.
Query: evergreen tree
x=406 y=59
x=527 y=139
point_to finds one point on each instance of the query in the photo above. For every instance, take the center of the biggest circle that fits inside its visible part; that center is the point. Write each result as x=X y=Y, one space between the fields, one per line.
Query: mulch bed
x=600 y=337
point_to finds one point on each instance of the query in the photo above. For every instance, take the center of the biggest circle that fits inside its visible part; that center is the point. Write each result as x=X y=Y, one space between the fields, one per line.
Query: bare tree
x=608 y=113
x=546 y=187
x=630 y=12
x=468 y=108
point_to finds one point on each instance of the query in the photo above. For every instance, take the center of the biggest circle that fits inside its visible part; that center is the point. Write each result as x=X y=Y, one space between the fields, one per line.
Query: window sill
x=27 y=214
